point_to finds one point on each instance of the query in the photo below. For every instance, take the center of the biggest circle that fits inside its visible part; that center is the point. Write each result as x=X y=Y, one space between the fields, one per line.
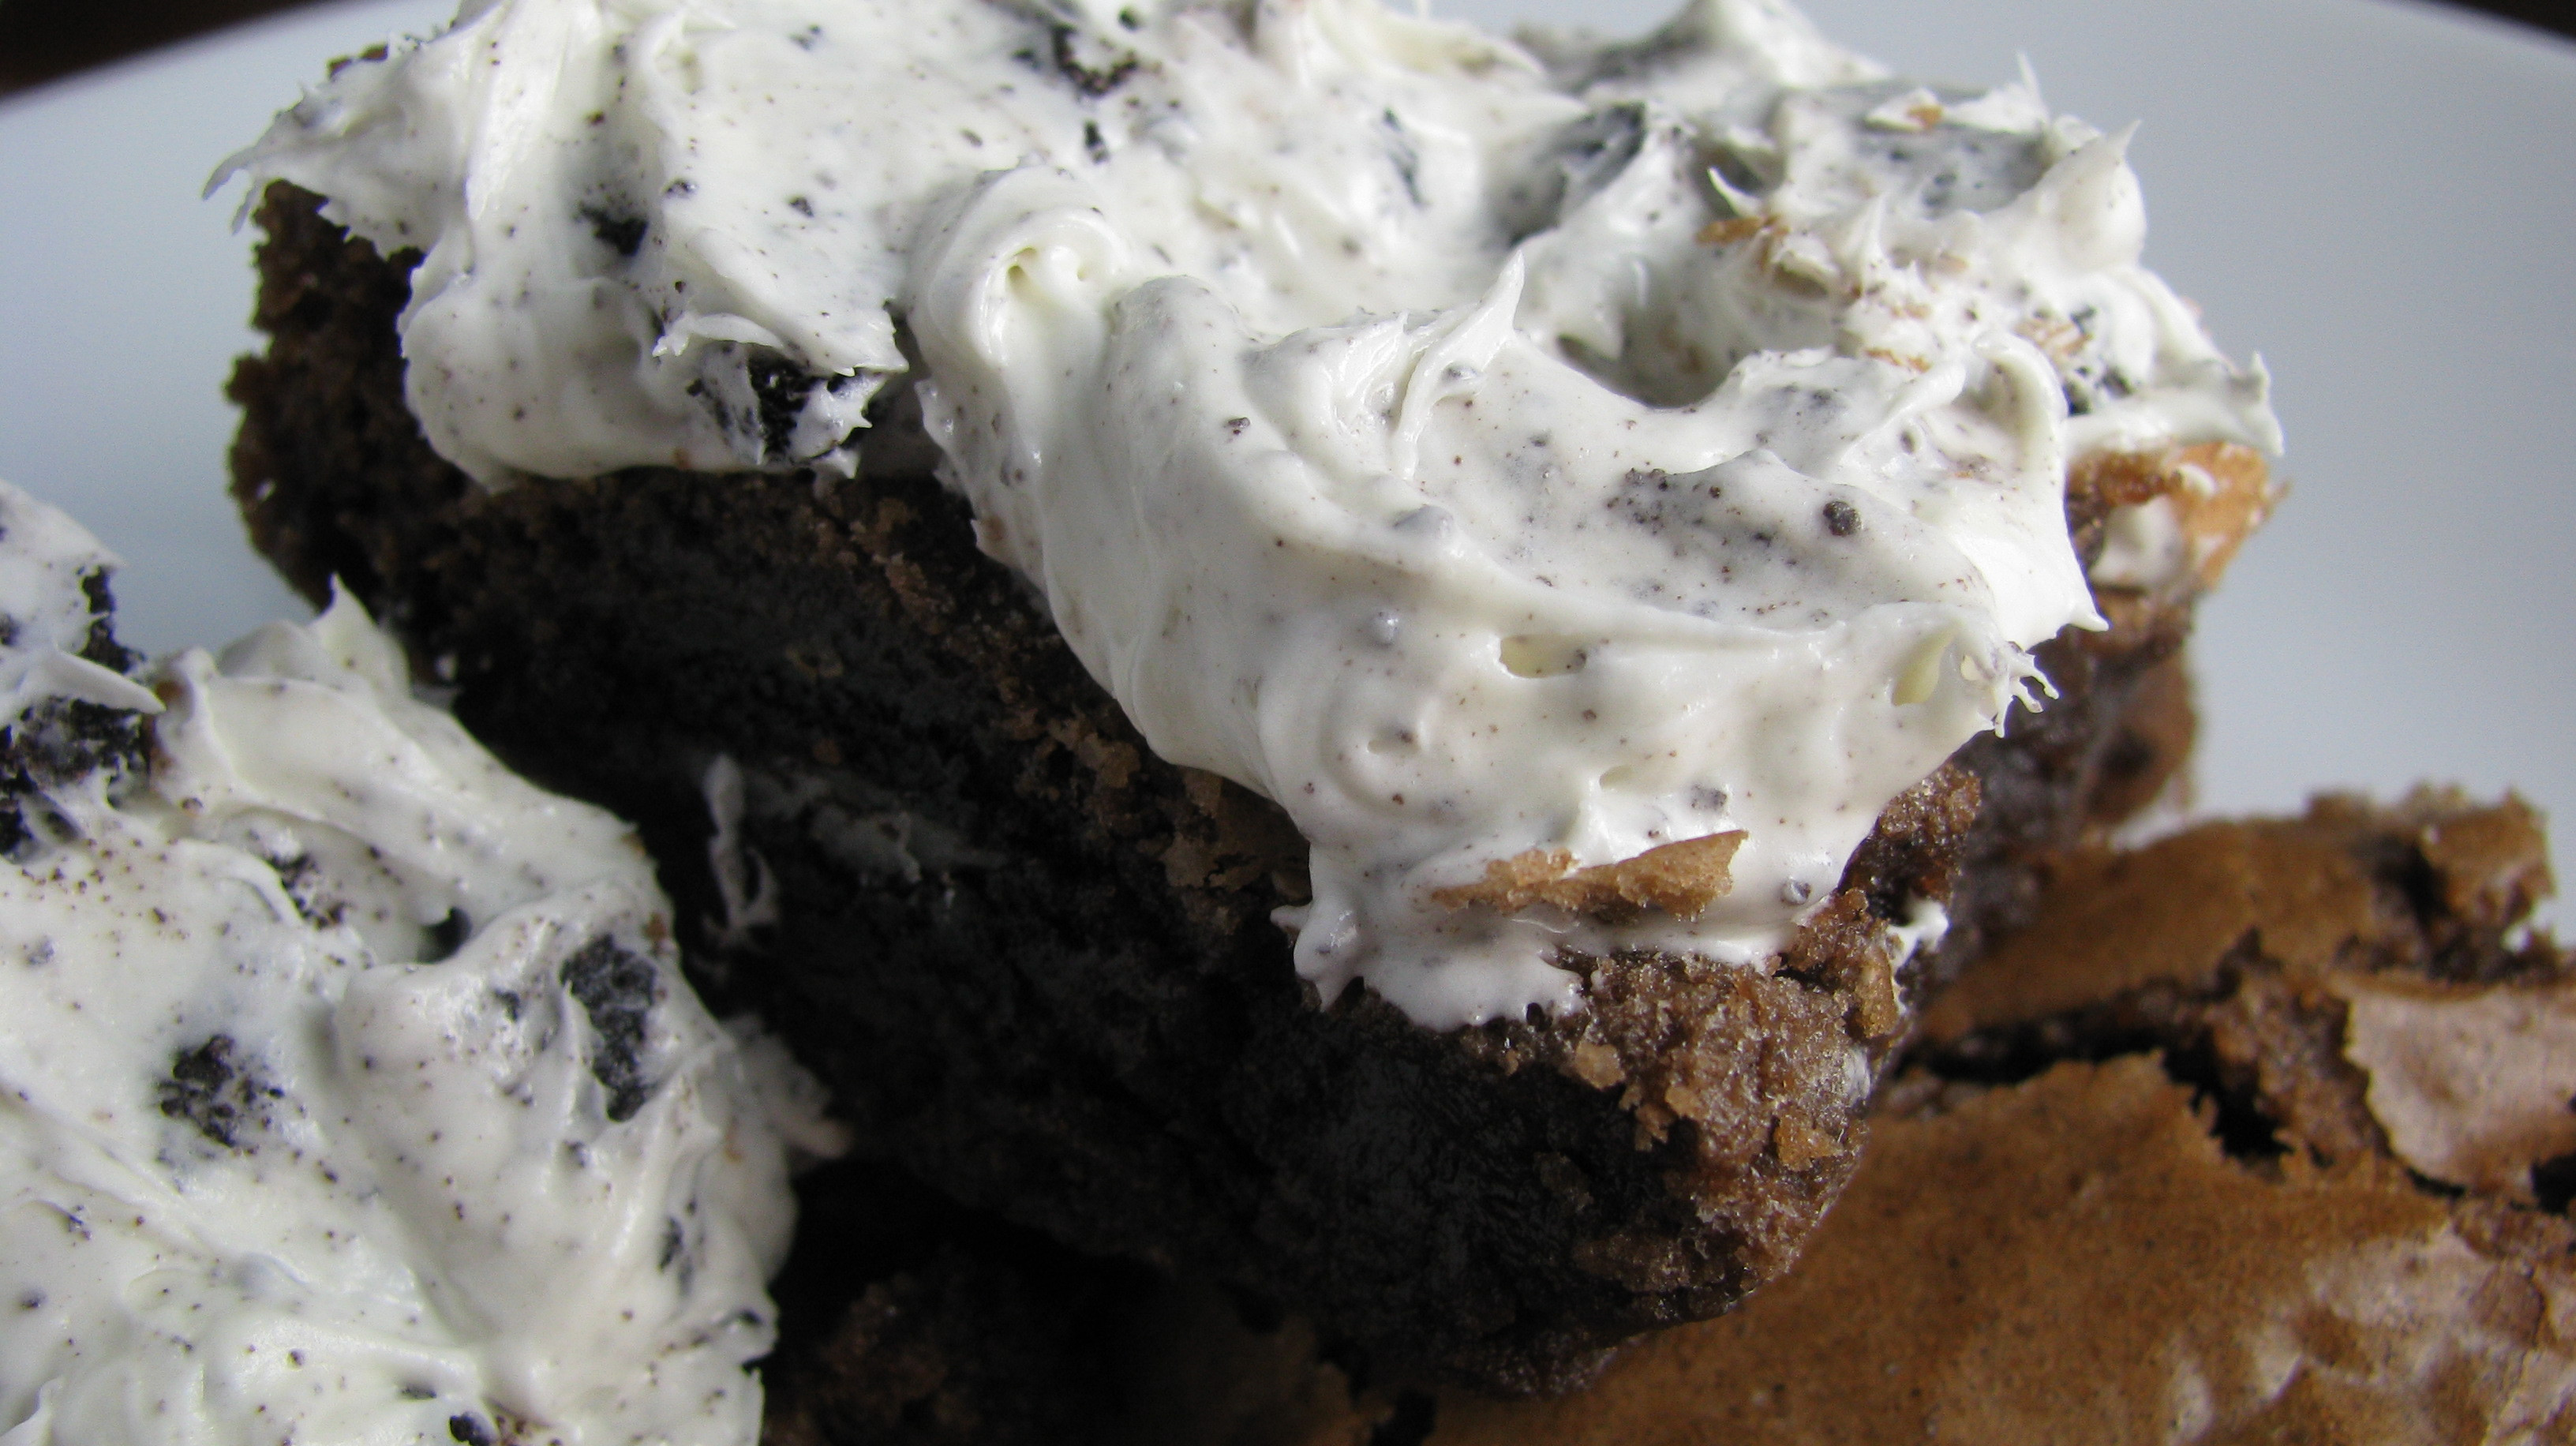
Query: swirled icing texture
x=349 y=1090
x=1487 y=453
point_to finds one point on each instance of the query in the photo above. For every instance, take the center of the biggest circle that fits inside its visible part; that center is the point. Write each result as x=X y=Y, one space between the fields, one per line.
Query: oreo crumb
x=302 y=878
x=102 y=647
x=618 y=991
x=59 y=741
x=1402 y=154
x=1092 y=80
x=781 y=387
x=222 y=1096
x=621 y=234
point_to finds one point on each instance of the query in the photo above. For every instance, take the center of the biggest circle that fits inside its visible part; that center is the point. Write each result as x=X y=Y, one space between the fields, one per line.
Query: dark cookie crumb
x=619 y=233
x=781 y=388
x=59 y=741
x=306 y=885
x=222 y=1095
x=1065 y=46
x=618 y=990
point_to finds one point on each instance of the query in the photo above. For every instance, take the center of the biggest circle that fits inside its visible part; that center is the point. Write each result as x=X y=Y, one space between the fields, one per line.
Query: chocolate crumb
x=618 y=990
x=1090 y=80
x=621 y=234
x=210 y=1088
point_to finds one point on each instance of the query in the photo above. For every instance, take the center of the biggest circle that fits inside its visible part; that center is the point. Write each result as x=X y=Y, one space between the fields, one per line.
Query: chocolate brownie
x=2260 y=1133
x=1036 y=964
x=904 y=1321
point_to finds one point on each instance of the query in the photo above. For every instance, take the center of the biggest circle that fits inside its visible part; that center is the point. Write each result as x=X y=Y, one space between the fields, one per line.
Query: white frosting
x=49 y=612
x=1473 y=452
x=272 y=1168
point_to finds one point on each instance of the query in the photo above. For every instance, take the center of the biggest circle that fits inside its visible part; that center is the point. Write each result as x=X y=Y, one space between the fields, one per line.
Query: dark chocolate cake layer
x=1036 y=964
x=905 y=1321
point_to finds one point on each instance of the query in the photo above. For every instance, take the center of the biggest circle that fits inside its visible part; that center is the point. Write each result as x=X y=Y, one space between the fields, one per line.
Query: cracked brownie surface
x=2258 y=1133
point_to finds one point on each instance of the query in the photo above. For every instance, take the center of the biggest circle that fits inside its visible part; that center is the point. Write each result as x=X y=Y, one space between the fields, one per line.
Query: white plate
x=2379 y=199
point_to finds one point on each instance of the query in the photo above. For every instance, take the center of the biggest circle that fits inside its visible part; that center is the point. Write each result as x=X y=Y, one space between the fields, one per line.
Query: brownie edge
x=1036 y=964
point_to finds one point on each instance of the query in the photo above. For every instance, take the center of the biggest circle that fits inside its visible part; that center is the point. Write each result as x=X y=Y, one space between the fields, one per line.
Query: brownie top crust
x=2260 y=1133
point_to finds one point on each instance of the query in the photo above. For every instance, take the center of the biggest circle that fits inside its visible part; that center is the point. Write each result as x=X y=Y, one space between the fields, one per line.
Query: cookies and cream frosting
x=1518 y=462
x=349 y=1089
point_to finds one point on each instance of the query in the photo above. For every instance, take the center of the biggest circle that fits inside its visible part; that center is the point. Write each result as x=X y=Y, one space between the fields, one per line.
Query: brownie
x=905 y=1321
x=1036 y=964
x=2260 y=1133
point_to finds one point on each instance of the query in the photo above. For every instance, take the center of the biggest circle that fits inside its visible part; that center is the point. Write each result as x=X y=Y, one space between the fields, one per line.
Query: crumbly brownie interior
x=1035 y=964
x=907 y=1322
